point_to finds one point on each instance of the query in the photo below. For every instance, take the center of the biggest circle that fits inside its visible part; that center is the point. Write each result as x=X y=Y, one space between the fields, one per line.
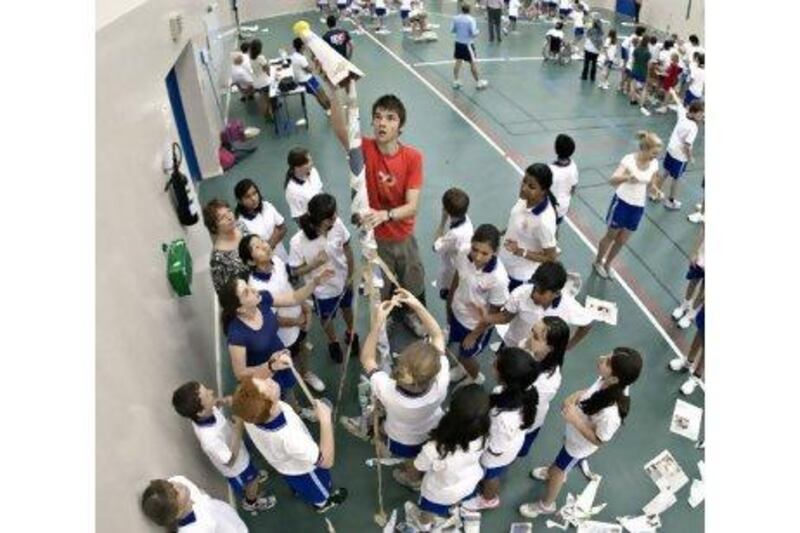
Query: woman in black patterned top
x=226 y=233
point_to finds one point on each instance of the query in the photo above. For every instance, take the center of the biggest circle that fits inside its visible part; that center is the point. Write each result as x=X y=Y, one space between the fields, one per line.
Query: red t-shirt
x=388 y=179
x=671 y=77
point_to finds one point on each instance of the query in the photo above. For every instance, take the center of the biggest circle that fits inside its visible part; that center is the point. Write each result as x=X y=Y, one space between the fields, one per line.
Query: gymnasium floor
x=479 y=141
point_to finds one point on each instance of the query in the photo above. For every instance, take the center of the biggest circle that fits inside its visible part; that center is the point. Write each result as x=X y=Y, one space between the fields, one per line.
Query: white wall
x=667 y=15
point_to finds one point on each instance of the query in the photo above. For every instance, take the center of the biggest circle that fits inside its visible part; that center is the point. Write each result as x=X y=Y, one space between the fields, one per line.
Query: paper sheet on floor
x=590 y=526
x=697 y=493
x=640 y=524
x=666 y=473
x=602 y=310
x=663 y=501
x=686 y=420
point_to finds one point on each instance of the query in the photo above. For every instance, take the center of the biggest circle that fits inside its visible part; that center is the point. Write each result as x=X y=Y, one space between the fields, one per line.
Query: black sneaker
x=337 y=497
x=356 y=349
x=335 y=351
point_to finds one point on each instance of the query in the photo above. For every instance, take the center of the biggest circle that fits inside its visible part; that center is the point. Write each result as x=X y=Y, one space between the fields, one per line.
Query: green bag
x=179 y=266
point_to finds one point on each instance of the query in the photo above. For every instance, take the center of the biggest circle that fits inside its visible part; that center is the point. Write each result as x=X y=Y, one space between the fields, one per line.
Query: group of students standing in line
x=454 y=456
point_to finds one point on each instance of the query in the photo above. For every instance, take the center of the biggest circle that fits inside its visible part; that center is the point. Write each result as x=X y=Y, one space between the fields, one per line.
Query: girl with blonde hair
x=413 y=394
x=631 y=180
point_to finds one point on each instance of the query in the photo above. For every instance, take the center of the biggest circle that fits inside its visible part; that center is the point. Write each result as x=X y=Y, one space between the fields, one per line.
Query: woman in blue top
x=252 y=327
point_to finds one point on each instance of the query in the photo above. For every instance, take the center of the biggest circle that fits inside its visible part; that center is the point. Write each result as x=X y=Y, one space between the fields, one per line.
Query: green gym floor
x=526 y=105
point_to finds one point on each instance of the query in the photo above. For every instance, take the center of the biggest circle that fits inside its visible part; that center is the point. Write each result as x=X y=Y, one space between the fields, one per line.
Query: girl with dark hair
x=513 y=412
x=593 y=416
x=259 y=216
x=324 y=240
x=548 y=344
x=480 y=283
x=302 y=181
x=451 y=459
x=251 y=327
x=530 y=237
x=608 y=58
x=261 y=79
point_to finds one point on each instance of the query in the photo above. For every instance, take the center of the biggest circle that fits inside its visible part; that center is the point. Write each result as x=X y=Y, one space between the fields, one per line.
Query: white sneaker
x=313 y=381
x=479 y=503
x=261 y=504
x=696 y=218
x=415 y=325
x=680 y=311
x=263 y=476
x=672 y=205
x=655 y=196
x=679 y=364
x=540 y=473
x=601 y=270
x=686 y=320
x=689 y=386
x=481 y=84
x=532 y=510
x=644 y=111
x=661 y=110
x=456 y=84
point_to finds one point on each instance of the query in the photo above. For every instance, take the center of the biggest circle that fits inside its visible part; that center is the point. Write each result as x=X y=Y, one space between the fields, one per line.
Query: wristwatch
x=390 y=214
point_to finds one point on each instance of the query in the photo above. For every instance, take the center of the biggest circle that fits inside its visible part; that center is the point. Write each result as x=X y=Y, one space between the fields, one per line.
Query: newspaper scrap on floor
x=391 y=523
x=590 y=526
x=666 y=473
x=686 y=419
x=701 y=466
x=602 y=310
x=640 y=524
x=577 y=511
x=697 y=493
x=663 y=501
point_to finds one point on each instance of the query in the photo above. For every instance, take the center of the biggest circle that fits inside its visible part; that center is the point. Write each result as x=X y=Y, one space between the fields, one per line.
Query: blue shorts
x=564 y=12
x=404 y=14
x=325 y=308
x=464 y=52
x=312 y=85
x=689 y=97
x=495 y=472
x=622 y=215
x=579 y=32
x=380 y=11
x=246 y=476
x=674 y=167
x=695 y=272
x=513 y=283
x=405 y=451
x=285 y=378
x=700 y=320
x=526 y=445
x=458 y=332
x=564 y=461
x=313 y=487
x=440 y=509
x=638 y=77
x=624 y=52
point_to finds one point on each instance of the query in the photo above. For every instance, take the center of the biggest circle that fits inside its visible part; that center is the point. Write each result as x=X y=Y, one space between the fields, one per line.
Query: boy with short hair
x=542 y=296
x=285 y=442
x=679 y=150
x=222 y=442
x=455 y=237
x=338 y=38
x=465 y=29
x=565 y=175
x=179 y=505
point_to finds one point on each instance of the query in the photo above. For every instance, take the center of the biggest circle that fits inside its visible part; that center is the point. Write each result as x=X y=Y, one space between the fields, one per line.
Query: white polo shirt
x=636 y=193
x=303 y=251
x=260 y=77
x=410 y=418
x=477 y=287
x=457 y=237
x=533 y=229
x=564 y=179
x=451 y=478
x=558 y=34
x=685 y=132
x=697 y=80
x=299 y=66
x=264 y=223
x=527 y=313
x=513 y=8
x=208 y=514
x=298 y=193
x=606 y=422
x=577 y=17
x=277 y=282
x=286 y=443
x=240 y=75
x=547 y=386
x=214 y=437
x=506 y=437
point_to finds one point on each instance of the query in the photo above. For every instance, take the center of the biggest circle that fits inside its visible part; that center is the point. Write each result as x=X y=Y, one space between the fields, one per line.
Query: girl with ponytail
x=513 y=402
x=547 y=343
x=530 y=237
x=302 y=181
x=593 y=416
x=631 y=179
x=412 y=395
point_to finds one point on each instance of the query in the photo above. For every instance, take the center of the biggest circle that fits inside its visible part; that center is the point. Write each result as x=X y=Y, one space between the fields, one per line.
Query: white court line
x=482 y=60
x=519 y=169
